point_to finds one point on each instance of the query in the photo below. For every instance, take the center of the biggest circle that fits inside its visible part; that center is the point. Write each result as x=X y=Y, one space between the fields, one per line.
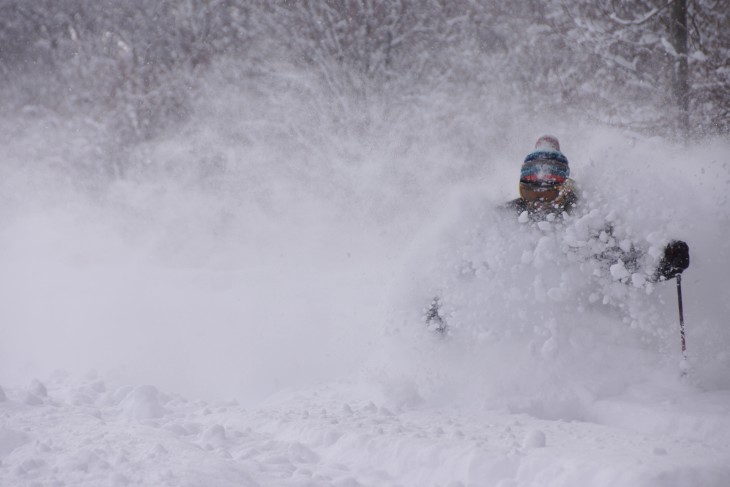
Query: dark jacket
x=674 y=261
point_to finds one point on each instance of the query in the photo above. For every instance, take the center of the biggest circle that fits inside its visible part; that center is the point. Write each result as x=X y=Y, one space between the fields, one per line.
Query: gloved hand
x=674 y=261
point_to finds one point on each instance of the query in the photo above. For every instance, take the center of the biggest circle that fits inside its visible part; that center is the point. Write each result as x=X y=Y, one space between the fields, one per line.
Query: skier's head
x=544 y=173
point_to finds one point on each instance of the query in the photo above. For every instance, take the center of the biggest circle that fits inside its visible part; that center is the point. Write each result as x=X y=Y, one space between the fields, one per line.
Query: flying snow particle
x=638 y=279
x=618 y=271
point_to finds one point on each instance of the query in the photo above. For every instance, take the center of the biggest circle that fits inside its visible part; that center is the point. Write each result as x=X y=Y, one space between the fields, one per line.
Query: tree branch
x=647 y=17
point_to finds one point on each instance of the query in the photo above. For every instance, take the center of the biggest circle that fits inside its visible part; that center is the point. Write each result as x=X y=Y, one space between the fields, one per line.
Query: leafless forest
x=126 y=73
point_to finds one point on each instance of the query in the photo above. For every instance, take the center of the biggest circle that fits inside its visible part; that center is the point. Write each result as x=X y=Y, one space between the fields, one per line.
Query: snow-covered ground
x=281 y=330
x=92 y=432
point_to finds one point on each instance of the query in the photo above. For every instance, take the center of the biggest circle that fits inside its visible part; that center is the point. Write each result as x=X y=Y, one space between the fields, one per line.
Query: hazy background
x=216 y=197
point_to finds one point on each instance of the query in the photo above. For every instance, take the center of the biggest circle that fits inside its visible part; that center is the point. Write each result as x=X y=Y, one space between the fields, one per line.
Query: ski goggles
x=534 y=193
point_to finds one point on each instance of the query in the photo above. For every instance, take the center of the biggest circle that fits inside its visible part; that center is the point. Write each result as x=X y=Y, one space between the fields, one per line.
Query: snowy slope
x=89 y=433
x=307 y=311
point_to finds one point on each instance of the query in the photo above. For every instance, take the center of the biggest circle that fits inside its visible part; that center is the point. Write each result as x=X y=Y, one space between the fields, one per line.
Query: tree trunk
x=681 y=68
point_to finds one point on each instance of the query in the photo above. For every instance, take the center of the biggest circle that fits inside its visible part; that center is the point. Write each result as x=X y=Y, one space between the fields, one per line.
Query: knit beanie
x=546 y=165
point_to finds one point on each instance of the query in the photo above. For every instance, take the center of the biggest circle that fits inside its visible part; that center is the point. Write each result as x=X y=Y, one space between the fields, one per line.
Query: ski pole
x=684 y=364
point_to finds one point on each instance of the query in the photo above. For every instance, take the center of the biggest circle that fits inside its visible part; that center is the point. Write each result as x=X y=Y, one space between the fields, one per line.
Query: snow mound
x=142 y=402
x=10 y=440
x=534 y=439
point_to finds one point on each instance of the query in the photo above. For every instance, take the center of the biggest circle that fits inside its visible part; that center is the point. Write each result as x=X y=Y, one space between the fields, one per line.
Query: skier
x=548 y=192
x=545 y=185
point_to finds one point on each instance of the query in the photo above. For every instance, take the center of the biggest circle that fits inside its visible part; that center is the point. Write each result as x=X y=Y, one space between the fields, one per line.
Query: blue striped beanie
x=546 y=165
